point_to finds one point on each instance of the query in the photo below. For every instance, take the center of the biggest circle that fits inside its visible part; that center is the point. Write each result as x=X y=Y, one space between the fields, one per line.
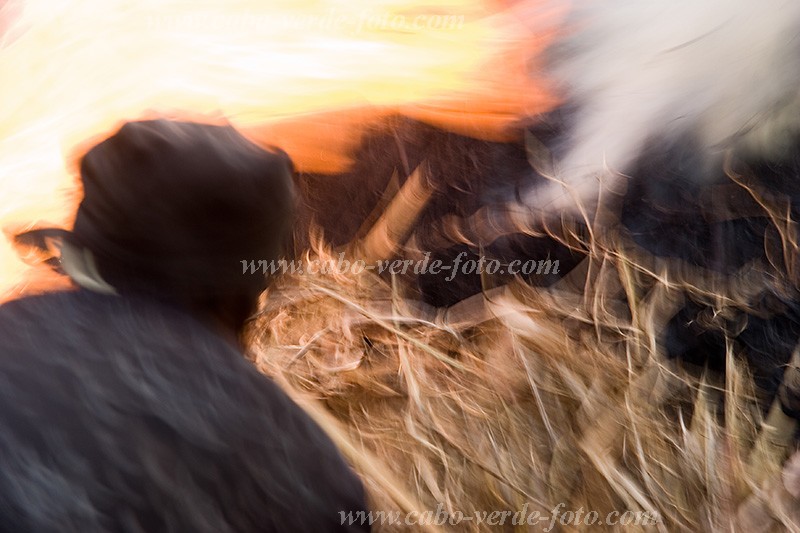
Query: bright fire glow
x=73 y=70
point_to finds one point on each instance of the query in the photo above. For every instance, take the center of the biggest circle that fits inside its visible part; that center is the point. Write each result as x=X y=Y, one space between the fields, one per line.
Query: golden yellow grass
x=526 y=398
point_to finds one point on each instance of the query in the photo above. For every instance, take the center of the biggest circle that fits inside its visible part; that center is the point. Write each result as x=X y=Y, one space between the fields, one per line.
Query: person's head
x=172 y=209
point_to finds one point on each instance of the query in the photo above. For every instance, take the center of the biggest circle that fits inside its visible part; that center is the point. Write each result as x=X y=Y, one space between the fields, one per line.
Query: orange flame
x=75 y=69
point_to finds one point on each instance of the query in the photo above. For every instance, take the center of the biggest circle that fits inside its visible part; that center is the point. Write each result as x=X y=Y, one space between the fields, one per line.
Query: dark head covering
x=178 y=206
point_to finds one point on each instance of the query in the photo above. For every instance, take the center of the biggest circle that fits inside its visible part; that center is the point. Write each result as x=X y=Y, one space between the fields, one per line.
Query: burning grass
x=522 y=396
x=526 y=398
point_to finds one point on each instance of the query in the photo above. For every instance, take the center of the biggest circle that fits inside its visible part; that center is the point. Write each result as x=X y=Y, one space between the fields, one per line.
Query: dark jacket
x=124 y=414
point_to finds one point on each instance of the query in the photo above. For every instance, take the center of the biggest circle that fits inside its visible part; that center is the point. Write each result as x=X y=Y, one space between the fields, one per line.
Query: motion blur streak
x=723 y=72
x=74 y=69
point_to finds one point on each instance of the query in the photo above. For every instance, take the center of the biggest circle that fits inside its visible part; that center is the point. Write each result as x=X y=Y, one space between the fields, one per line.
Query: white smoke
x=726 y=72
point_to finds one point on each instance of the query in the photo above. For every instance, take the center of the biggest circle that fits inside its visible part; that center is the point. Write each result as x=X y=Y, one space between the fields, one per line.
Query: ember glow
x=73 y=70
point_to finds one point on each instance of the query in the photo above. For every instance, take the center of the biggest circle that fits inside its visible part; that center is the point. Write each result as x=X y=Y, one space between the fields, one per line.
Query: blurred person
x=127 y=404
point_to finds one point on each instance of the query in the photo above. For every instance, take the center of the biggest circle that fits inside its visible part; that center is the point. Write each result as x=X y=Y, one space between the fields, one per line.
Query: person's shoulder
x=40 y=312
x=64 y=304
x=86 y=325
x=31 y=302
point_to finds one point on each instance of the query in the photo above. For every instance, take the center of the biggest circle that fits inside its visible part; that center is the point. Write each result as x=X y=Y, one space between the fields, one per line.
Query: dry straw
x=537 y=396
